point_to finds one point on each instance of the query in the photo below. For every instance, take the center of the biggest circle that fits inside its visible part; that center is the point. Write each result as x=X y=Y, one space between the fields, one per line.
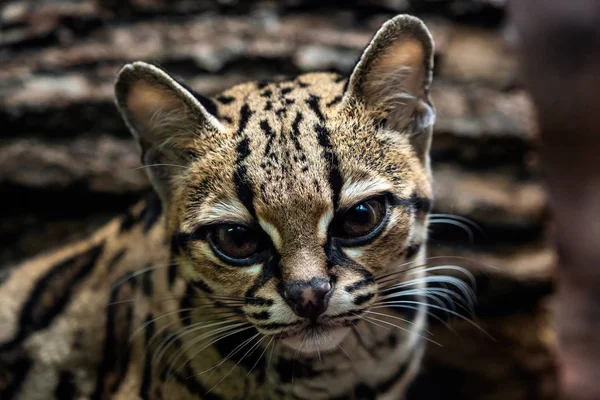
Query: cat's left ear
x=393 y=77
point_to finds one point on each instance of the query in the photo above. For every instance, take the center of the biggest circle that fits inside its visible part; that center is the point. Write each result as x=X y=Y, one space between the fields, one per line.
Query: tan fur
x=287 y=157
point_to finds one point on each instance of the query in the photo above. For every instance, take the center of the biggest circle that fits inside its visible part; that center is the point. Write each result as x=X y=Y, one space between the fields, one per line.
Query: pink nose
x=309 y=299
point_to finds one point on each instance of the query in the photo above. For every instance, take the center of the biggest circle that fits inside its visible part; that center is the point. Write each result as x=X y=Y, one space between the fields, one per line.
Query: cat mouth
x=314 y=337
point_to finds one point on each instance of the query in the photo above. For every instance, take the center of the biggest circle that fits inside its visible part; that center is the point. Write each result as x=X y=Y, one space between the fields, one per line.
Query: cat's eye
x=236 y=243
x=363 y=218
x=362 y=222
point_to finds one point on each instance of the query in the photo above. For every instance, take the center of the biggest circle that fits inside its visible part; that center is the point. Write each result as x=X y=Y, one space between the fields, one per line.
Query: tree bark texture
x=67 y=162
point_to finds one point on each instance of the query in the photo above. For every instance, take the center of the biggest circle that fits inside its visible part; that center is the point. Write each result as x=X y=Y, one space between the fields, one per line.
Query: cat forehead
x=294 y=153
x=278 y=149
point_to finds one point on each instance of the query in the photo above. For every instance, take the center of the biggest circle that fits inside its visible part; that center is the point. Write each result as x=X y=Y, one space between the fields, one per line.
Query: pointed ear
x=166 y=120
x=393 y=77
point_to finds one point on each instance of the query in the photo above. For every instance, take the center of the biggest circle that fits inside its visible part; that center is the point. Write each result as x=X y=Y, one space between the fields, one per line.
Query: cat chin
x=314 y=340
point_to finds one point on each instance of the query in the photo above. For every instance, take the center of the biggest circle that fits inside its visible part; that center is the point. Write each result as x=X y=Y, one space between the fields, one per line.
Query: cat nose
x=309 y=299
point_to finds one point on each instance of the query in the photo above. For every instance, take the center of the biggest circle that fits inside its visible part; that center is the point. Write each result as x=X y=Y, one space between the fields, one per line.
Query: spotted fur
x=146 y=309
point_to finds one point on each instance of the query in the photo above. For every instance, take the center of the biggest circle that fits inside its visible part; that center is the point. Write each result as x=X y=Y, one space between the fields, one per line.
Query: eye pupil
x=363 y=218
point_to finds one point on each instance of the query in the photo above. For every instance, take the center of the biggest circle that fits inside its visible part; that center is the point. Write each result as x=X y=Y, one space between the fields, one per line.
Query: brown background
x=67 y=162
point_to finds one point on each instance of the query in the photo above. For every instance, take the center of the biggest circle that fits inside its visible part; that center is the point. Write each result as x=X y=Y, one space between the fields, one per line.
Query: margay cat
x=282 y=258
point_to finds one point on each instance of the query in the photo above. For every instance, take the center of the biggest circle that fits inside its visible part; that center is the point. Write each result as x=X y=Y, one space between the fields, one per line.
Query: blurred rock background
x=67 y=163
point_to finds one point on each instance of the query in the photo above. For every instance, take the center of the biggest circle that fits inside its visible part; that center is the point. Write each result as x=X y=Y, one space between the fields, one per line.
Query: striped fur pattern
x=146 y=308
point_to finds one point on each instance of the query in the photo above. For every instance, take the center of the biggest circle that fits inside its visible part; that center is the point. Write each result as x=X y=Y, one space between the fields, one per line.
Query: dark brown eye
x=235 y=241
x=363 y=218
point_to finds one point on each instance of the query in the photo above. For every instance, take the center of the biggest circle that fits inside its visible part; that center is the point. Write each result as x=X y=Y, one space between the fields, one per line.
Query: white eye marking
x=323 y=225
x=271 y=231
x=354 y=253
x=252 y=270
x=225 y=210
x=355 y=191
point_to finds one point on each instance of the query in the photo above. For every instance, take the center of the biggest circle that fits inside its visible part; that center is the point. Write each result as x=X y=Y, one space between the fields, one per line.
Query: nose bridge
x=304 y=263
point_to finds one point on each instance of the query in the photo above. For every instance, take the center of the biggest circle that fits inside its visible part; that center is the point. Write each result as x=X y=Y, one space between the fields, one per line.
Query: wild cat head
x=294 y=196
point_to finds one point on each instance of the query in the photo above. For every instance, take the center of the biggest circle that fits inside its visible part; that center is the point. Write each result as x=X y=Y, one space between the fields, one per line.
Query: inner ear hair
x=165 y=118
x=394 y=73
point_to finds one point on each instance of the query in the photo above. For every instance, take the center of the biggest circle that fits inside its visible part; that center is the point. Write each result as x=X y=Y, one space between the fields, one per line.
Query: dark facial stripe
x=66 y=388
x=335 y=177
x=257 y=301
x=262 y=316
x=419 y=204
x=413 y=249
x=363 y=298
x=314 y=104
x=115 y=260
x=147 y=375
x=52 y=293
x=360 y=284
x=240 y=178
x=271 y=269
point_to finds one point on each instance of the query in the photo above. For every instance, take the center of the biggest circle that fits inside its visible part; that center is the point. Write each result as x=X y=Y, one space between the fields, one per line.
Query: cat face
x=289 y=201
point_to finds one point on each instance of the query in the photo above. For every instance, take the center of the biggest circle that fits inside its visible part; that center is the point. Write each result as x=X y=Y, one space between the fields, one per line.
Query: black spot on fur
x=266 y=128
x=256 y=301
x=267 y=93
x=263 y=315
x=14 y=367
x=225 y=99
x=52 y=292
x=245 y=114
x=335 y=101
x=127 y=222
x=227 y=119
x=147 y=372
x=302 y=84
x=360 y=284
x=314 y=104
x=286 y=90
x=151 y=212
x=268 y=106
x=202 y=286
x=66 y=388
x=171 y=274
x=261 y=84
x=362 y=299
x=110 y=265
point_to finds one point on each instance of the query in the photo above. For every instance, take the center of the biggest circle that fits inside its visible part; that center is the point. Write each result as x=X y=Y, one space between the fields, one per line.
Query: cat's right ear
x=165 y=119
